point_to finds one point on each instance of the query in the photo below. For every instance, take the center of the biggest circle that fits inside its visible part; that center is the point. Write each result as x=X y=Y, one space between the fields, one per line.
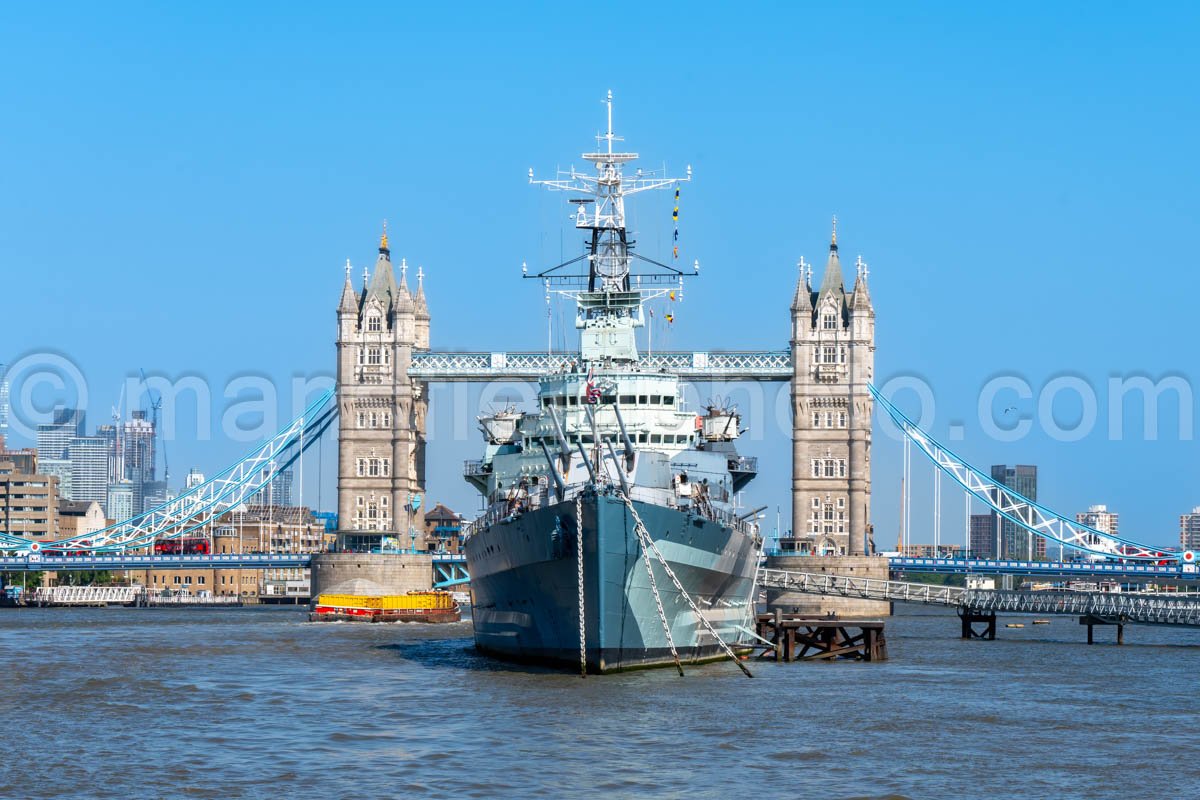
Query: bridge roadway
x=1130 y=608
x=116 y=561
x=451 y=569
x=1061 y=569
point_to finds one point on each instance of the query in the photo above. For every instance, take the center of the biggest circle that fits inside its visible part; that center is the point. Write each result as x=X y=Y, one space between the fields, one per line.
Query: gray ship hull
x=525 y=588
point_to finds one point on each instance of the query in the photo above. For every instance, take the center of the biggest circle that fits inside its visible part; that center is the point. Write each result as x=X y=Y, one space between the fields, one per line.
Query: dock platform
x=794 y=637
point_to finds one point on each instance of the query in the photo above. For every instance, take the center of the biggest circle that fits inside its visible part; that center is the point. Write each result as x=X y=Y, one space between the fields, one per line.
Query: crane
x=160 y=443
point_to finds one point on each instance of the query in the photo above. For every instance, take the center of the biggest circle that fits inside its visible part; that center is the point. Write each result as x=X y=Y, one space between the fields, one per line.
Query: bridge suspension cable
x=204 y=503
x=1015 y=507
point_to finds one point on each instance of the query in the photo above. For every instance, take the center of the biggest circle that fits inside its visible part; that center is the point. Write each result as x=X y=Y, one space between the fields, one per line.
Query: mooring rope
x=648 y=544
x=579 y=561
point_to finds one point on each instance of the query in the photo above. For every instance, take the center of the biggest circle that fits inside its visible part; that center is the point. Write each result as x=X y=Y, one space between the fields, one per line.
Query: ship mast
x=609 y=302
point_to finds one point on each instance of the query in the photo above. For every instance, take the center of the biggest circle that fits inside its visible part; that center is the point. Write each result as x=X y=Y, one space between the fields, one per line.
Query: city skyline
x=1029 y=189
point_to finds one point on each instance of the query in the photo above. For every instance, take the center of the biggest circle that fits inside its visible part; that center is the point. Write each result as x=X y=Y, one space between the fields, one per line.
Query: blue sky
x=182 y=186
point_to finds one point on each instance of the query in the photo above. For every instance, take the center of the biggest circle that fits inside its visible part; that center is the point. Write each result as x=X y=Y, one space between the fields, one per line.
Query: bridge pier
x=797 y=638
x=1092 y=621
x=970 y=617
x=815 y=605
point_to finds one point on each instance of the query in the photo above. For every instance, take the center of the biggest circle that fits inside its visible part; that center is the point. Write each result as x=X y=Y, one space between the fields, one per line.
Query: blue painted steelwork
x=1072 y=569
x=766 y=365
x=201 y=505
x=99 y=562
x=1020 y=510
x=449 y=570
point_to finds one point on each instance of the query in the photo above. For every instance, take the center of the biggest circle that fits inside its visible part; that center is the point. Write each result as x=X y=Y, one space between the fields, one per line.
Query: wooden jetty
x=794 y=637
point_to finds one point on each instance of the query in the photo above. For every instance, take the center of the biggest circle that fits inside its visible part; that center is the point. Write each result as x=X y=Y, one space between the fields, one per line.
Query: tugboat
x=611 y=539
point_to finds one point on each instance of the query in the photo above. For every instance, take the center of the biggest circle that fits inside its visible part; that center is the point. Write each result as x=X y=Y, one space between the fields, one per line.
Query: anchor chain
x=648 y=543
x=579 y=563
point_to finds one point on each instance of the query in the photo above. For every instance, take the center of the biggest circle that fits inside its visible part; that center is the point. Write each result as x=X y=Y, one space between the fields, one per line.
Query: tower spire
x=383 y=240
x=833 y=236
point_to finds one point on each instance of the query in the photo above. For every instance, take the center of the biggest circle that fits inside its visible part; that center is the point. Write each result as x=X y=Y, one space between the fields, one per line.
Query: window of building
x=843 y=354
x=374 y=420
x=669 y=400
x=643 y=399
x=816 y=419
x=841 y=419
x=358 y=468
x=829 y=468
x=360 y=355
x=830 y=355
x=816 y=468
x=828 y=419
x=387 y=355
x=841 y=467
x=829 y=322
x=374 y=323
x=387 y=467
x=373 y=356
x=628 y=400
x=387 y=419
x=841 y=502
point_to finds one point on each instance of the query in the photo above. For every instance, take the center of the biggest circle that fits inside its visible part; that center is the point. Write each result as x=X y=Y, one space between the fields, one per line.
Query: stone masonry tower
x=833 y=352
x=381 y=433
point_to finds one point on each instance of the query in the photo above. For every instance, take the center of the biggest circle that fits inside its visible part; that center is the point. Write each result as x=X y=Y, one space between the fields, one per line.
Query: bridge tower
x=833 y=358
x=833 y=364
x=381 y=434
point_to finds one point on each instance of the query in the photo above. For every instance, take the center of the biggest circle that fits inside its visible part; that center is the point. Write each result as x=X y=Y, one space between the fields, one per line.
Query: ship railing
x=476 y=468
x=743 y=464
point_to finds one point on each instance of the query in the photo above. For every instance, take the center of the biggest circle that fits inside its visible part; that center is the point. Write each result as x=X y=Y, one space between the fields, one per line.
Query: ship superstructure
x=612 y=534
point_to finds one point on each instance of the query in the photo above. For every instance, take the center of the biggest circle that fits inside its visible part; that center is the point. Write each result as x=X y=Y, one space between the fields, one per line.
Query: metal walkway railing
x=1142 y=608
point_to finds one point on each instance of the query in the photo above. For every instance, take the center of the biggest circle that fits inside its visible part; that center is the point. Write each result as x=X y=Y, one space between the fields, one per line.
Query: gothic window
x=374 y=420
x=387 y=356
x=387 y=419
x=841 y=502
x=841 y=419
x=361 y=416
x=830 y=354
x=829 y=466
x=816 y=355
x=383 y=502
x=360 y=502
x=828 y=419
x=816 y=503
x=372 y=511
x=814 y=522
x=360 y=355
x=841 y=522
x=816 y=419
x=373 y=467
x=843 y=354
x=830 y=322
x=816 y=468
x=387 y=467
x=358 y=468
x=841 y=467
x=374 y=324
x=373 y=356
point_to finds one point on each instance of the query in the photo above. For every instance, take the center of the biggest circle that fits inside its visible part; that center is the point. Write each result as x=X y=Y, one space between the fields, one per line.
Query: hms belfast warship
x=611 y=537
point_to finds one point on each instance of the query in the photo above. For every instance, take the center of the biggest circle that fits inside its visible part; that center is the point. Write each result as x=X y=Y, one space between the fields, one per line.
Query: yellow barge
x=416 y=606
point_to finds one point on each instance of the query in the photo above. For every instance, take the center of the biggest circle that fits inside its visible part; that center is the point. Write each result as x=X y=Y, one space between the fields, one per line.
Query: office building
x=1100 y=518
x=89 y=456
x=982 y=535
x=53 y=438
x=121 y=500
x=1015 y=541
x=28 y=502
x=1189 y=530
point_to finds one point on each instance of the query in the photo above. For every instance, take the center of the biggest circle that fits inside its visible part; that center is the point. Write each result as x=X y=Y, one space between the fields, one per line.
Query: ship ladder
x=648 y=545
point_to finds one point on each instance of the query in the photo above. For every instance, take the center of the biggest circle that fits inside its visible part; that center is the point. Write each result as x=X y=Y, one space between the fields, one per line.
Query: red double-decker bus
x=175 y=547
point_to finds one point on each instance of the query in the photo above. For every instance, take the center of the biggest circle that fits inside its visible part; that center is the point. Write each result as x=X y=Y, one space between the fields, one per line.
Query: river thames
x=250 y=703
